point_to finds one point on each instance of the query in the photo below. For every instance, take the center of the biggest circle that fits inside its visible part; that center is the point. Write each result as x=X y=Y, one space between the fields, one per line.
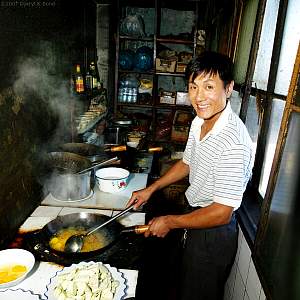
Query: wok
x=91 y=150
x=110 y=233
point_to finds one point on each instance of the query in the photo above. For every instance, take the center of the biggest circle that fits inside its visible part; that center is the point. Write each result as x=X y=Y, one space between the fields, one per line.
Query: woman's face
x=208 y=95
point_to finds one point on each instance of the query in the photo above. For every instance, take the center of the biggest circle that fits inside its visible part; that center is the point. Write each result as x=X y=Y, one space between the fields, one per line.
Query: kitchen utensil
x=119 y=292
x=138 y=229
x=112 y=179
x=85 y=149
x=97 y=165
x=114 y=241
x=74 y=243
x=67 y=161
x=69 y=179
x=11 y=260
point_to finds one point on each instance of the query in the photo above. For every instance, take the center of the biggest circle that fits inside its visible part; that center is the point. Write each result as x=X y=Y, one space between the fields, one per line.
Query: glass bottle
x=79 y=84
x=95 y=76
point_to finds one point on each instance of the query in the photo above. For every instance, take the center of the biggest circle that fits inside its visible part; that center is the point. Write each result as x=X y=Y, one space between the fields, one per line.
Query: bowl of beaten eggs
x=15 y=264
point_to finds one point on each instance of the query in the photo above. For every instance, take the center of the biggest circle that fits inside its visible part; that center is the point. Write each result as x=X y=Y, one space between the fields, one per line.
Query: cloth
x=221 y=163
x=208 y=256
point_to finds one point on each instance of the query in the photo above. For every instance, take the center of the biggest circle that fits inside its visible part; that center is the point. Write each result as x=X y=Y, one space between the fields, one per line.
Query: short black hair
x=210 y=62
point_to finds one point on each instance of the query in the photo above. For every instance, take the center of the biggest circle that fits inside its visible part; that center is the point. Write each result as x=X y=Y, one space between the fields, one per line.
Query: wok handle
x=117 y=148
x=155 y=149
x=138 y=229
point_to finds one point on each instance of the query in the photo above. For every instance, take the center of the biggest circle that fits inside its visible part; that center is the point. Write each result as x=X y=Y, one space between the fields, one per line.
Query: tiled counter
x=101 y=200
x=39 y=277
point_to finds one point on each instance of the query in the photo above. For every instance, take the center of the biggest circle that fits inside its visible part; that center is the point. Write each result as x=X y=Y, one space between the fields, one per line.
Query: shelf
x=135 y=104
x=151 y=72
x=170 y=74
x=160 y=35
x=174 y=41
x=131 y=38
x=172 y=106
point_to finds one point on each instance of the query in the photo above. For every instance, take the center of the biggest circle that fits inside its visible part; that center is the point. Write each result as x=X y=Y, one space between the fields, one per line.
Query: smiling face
x=208 y=96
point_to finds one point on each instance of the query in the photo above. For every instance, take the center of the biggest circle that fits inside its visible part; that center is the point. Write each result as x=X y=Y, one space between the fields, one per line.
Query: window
x=272 y=136
x=271 y=110
x=272 y=63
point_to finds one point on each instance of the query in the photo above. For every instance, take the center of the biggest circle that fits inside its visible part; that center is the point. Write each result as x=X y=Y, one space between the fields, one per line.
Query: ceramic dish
x=117 y=275
x=12 y=262
x=112 y=180
x=17 y=294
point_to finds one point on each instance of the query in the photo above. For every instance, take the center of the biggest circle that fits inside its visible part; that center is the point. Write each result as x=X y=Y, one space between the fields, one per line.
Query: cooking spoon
x=75 y=242
x=98 y=165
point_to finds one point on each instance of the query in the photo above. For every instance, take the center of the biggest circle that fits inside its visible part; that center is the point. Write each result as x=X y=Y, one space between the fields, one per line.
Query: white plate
x=117 y=275
x=17 y=294
x=16 y=257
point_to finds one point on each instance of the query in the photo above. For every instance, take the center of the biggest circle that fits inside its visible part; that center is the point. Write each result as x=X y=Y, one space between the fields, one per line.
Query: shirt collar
x=221 y=122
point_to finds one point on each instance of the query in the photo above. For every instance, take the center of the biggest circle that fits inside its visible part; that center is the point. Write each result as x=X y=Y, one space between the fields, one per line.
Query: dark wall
x=39 y=43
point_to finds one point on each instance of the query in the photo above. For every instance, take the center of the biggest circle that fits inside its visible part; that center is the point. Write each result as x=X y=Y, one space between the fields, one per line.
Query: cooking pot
x=64 y=182
x=117 y=132
x=86 y=221
x=110 y=233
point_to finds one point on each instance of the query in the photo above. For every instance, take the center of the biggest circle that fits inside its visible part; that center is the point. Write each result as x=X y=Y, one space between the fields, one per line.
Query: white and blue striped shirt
x=221 y=163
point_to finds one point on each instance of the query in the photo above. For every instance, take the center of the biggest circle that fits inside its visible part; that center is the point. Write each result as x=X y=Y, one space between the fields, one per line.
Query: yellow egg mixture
x=11 y=272
x=92 y=242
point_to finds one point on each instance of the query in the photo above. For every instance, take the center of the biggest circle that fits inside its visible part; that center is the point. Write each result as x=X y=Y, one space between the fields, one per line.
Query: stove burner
x=73 y=200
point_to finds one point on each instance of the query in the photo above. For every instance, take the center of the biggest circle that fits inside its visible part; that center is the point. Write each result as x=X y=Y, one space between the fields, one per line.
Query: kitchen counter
x=44 y=269
x=102 y=200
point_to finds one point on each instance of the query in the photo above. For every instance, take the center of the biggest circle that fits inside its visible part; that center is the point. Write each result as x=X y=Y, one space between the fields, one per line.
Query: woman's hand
x=158 y=227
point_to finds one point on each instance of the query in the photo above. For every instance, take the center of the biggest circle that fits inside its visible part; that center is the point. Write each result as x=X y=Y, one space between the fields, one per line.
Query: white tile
x=253 y=285
x=34 y=223
x=227 y=293
x=239 y=287
x=131 y=219
x=262 y=295
x=46 y=211
x=246 y=296
x=244 y=260
x=240 y=238
x=231 y=279
x=72 y=210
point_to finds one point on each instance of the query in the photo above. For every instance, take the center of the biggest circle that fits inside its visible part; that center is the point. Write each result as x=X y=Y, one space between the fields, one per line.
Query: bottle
x=79 y=85
x=95 y=76
x=88 y=82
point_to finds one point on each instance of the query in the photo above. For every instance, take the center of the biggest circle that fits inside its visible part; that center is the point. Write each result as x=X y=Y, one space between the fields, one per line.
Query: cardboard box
x=164 y=65
x=181 y=67
x=167 y=97
x=174 y=192
x=182 y=98
x=180 y=133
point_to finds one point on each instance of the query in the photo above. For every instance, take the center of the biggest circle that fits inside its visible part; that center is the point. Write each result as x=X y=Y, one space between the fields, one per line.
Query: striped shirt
x=221 y=163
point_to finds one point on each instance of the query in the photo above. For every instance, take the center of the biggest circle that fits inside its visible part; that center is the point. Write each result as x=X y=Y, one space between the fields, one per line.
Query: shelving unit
x=167 y=26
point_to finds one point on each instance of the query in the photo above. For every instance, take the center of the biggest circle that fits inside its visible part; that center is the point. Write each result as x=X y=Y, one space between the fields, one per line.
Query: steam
x=39 y=78
x=39 y=75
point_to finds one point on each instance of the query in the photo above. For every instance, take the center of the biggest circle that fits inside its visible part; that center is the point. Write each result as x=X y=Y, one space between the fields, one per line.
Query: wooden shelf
x=132 y=38
x=160 y=79
x=174 y=41
x=170 y=74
